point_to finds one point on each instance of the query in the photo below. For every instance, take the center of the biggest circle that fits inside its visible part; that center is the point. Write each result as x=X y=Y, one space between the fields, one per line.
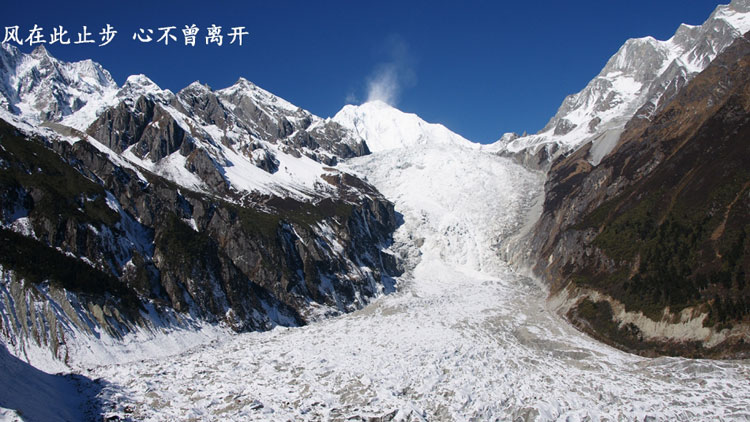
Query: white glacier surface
x=464 y=337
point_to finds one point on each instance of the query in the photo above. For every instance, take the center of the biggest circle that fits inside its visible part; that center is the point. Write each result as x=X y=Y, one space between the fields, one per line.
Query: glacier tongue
x=465 y=337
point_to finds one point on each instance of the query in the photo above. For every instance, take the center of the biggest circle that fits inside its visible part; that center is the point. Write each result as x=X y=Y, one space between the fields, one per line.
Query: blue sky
x=479 y=67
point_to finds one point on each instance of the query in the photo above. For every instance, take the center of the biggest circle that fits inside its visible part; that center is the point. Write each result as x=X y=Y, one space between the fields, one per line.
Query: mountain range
x=201 y=206
x=131 y=210
x=641 y=77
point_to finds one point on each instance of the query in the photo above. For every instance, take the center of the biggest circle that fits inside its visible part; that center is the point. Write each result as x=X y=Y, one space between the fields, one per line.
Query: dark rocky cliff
x=649 y=249
x=85 y=238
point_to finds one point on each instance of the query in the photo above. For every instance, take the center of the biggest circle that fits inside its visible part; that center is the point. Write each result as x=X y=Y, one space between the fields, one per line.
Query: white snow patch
x=385 y=127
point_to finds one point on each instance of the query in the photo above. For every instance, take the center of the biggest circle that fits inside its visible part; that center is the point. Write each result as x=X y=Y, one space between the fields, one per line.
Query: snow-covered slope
x=29 y=394
x=639 y=78
x=40 y=87
x=384 y=127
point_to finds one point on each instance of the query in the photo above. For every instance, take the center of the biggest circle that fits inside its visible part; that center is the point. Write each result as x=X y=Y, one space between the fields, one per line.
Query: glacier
x=464 y=338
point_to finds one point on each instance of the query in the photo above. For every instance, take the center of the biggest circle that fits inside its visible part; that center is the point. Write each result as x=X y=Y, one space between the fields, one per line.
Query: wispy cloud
x=390 y=77
x=351 y=98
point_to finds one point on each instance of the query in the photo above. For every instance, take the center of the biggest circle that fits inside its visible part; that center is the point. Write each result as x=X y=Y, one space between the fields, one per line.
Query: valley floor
x=464 y=338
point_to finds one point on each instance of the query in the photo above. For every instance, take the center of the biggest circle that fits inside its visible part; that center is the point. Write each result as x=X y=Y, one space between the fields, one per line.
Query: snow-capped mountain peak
x=41 y=87
x=235 y=141
x=195 y=88
x=140 y=80
x=735 y=13
x=138 y=85
x=385 y=127
x=641 y=77
x=40 y=52
x=245 y=88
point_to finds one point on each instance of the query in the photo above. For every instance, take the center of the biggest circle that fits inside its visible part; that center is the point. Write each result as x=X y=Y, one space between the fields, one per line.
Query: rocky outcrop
x=153 y=131
x=274 y=120
x=199 y=138
x=212 y=130
x=653 y=240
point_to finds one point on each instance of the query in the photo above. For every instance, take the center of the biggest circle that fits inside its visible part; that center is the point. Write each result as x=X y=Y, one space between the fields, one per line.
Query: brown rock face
x=659 y=229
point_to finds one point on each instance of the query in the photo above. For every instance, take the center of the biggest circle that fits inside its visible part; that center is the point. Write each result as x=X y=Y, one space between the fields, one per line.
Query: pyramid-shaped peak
x=40 y=51
x=385 y=127
x=140 y=79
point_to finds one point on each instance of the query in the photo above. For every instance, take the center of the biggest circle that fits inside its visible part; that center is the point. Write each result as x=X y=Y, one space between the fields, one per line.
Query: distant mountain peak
x=637 y=80
x=39 y=87
x=197 y=85
x=384 y=127
x=141 y=80
x=40 y=51
x=242 y=81
x=378 y=104
x=244 y=87
x=141 y=85
x=742 y=6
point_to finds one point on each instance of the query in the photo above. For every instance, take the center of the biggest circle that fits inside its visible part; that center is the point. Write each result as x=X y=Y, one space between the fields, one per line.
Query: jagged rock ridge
x=639 y=79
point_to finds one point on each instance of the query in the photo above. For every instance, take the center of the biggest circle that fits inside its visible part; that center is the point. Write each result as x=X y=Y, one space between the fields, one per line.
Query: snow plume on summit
x=383 y=86
x=384 y=127
x=391 y=76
